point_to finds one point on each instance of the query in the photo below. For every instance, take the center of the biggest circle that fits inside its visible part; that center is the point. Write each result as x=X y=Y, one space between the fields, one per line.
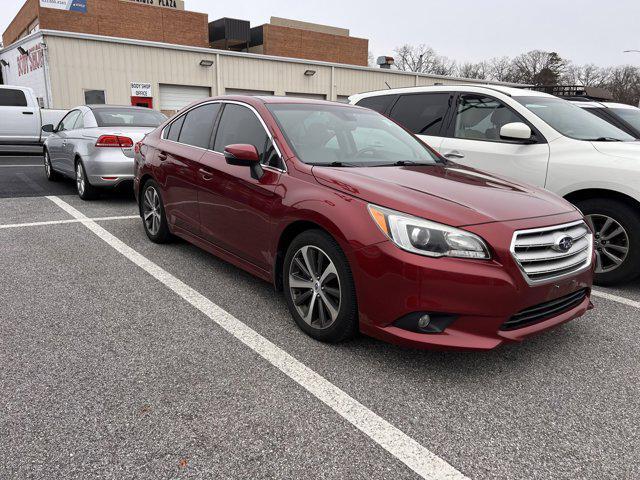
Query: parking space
x=108 y=371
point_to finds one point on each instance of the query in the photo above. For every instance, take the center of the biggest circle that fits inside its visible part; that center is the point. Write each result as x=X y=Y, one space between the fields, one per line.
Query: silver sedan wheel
x=611 y=242
x=315 y=287
x=151 y=211
x=80 y=180
x=47 y=164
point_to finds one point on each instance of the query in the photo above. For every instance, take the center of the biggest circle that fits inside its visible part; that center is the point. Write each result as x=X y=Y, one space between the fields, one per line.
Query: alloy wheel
x=80 y=180
x=47 y=164
x=315 y=287
x=151 y=211
x=611 y=242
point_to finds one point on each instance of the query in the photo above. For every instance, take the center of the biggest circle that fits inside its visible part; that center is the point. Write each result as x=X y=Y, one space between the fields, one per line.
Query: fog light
x=424 y=321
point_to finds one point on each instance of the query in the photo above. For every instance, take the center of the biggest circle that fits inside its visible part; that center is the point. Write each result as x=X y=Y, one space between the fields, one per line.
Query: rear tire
x=154 y=218
x=86 y=191
x=319 y=288
x=617 y=239
x=51 y=174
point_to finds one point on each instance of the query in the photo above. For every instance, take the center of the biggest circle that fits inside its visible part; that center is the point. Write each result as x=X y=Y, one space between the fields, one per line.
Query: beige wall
x=78 y=64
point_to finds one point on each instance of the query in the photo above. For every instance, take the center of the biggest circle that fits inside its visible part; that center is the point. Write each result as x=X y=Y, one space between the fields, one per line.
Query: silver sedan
x=95 y=145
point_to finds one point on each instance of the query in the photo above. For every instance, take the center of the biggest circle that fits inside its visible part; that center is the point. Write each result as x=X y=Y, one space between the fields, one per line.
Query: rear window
x=12 y=98
x=128 y=117
x=422 y=113
x=379 y=103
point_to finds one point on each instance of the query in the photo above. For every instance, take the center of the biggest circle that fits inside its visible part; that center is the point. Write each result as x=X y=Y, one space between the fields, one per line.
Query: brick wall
x=27 y=14
x=114 y=18
x=296 y=43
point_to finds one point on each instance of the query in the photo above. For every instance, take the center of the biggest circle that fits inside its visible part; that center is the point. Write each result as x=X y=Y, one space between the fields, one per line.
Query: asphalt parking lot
x=120 y=358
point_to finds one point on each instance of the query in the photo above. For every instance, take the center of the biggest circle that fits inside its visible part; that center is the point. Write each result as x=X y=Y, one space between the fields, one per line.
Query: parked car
x=21 y=120
x=94 y=145
x=625 y=117
x=539 y=139
x=362 y=226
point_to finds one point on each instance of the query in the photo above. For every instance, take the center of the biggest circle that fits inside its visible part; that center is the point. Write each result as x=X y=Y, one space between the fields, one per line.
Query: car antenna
x=388 y=86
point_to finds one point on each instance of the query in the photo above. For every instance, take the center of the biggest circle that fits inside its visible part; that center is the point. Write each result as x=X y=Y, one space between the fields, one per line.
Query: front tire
x=319 y=288
x=616 y=227
x=86 y=191
x=153 y=214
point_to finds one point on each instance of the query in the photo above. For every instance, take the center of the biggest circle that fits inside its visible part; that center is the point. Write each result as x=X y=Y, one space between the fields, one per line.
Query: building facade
x=67 y=69
x=154 y=20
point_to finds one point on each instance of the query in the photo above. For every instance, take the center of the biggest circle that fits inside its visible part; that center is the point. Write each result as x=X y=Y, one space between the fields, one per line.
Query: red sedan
x=362 y=226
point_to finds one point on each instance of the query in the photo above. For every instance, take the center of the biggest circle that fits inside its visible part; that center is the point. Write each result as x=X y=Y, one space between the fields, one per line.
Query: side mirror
x=49 y=128
x=515 y=131
x=244 y=155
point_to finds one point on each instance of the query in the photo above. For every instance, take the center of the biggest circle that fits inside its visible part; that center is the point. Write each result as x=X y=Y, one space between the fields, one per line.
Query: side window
x=481 y=118
x=68 y=122
x=79 y=122
x=197 y=128
x=173 y=132
x=240 y=125
x=12 y=98
x=379 y=103
x=271 y=157
x=422 y=113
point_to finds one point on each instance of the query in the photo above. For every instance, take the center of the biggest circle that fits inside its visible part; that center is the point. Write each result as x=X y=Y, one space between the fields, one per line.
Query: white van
x=539 y=139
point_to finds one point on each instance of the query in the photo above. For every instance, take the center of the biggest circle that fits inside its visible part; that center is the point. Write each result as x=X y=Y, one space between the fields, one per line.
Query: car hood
x=451 y=194
x=619 y=149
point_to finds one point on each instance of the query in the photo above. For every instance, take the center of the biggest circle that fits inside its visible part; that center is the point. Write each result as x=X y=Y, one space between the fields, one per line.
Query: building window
x=95 y=97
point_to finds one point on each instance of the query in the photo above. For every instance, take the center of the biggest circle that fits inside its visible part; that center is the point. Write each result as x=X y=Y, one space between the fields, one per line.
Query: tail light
x=106 y=141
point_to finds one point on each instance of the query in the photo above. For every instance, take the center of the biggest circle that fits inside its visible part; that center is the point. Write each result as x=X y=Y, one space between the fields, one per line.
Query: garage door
x=239 y=91
x=176 y=97
x=314 y=96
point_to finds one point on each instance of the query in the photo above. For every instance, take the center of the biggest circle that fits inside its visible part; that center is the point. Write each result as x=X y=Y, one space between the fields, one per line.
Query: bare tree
x=423 y=59
x=538 y=67
x=478 y=70
x=371 y=60
x=624 y=84
x=501 y=69
x=587 y=75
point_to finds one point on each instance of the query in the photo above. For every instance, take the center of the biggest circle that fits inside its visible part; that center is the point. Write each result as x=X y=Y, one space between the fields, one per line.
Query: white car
x=625 y=117
x=539 y=139
x=21 y=120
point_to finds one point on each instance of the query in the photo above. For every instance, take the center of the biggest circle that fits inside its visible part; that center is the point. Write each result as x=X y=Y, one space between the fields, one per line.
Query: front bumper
x=483 y=295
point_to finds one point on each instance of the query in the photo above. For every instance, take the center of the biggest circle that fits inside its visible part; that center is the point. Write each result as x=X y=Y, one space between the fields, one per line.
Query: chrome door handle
x=454 y=154
x=206 y=174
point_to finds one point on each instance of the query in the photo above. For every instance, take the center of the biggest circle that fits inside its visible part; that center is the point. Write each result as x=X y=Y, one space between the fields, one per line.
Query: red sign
x=34 y=60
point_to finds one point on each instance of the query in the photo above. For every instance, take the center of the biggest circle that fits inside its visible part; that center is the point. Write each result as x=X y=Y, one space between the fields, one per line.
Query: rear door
x=19 y=118
x=235 y=209
x=184 y=142
x=423 y=114
x=473 y=139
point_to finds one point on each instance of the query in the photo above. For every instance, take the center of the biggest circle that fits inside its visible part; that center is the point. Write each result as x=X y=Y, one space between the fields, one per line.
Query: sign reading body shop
x=141 y=90
x=71 y=5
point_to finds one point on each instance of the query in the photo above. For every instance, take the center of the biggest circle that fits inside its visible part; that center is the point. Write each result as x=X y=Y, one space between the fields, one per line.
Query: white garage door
x=176 y=97
x=239 y=91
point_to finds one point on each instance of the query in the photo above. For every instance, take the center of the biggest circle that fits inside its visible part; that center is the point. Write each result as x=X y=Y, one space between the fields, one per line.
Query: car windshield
x=573 y=121
x=128 y=117
x=347 y=136
x=629 y=115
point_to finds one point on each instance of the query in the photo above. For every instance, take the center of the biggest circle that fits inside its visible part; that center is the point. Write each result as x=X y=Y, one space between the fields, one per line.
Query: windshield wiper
x=404 y=163
x=604 y=139
x=333 y=164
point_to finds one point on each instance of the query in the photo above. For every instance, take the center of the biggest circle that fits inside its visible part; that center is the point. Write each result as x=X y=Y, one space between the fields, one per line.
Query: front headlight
x=432 y=239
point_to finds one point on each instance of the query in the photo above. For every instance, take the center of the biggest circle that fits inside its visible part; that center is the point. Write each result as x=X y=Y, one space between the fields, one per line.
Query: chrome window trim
x=233 y=102
x=531 y=282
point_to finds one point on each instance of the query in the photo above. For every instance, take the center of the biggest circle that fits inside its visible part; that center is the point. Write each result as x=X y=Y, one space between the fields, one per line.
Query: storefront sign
x=172 y=4
x=141 y=90
x=71 y=5
x=31 y=62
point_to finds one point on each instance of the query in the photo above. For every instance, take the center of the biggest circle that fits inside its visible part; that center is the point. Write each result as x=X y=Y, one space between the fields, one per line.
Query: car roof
x=596 y=104
x=473 y=87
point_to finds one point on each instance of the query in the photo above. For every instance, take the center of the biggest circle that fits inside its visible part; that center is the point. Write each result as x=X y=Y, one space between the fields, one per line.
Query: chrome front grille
x=545 y=254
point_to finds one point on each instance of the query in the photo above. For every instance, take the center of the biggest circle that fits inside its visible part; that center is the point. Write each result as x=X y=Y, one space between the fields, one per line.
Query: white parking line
x=615 y=298
x=418 y=458
x=62 y=222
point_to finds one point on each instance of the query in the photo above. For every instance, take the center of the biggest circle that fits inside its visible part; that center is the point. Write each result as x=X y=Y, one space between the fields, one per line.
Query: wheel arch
x=590 y=193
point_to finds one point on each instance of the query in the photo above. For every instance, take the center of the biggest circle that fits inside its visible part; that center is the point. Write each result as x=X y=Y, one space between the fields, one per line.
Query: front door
x=474 y=140
x=58 y=141
x=235 y=209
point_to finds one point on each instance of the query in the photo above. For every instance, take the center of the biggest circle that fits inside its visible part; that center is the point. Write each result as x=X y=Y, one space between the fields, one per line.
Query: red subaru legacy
x=362 y=226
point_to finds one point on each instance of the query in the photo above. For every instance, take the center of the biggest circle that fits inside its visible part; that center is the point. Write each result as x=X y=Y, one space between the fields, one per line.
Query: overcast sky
x=586 y=31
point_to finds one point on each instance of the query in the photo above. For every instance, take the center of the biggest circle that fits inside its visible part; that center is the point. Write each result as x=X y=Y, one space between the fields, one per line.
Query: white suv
x=539 y=139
